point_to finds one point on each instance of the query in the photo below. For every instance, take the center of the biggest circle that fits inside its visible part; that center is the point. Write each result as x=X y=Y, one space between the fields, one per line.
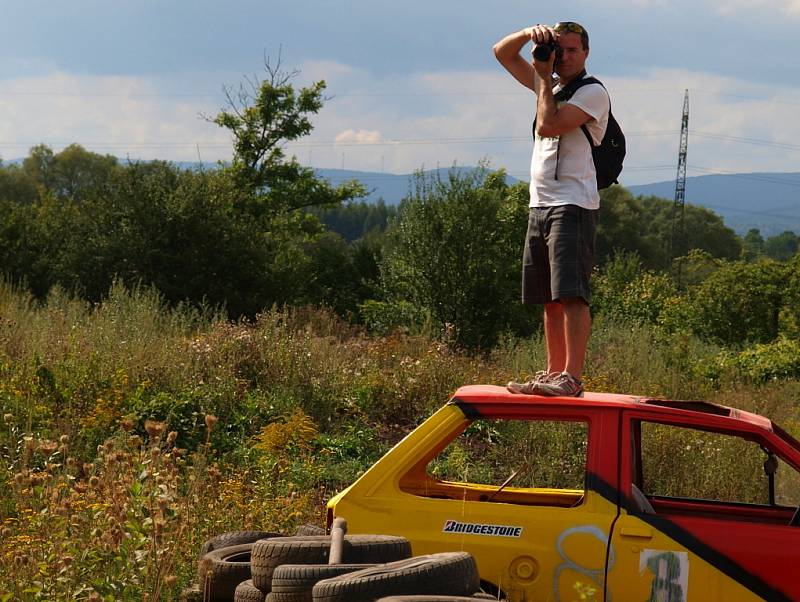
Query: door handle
x=639 y=532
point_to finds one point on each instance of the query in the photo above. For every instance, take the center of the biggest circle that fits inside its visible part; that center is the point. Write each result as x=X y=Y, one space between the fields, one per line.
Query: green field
x=132 y=432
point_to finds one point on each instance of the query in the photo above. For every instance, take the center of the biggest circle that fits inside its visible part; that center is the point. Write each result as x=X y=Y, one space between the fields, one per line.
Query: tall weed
x=99 y=502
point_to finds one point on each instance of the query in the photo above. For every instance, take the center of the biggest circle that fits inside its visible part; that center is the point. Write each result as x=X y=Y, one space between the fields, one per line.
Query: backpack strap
x=563 y=95
x=584 y=81
x=567 y=91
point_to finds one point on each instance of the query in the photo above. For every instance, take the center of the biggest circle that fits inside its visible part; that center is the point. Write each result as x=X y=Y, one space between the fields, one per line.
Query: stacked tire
x=272 y=568
x=445 y=574
x=225 y=563
x=295 y=582
x=269 y=554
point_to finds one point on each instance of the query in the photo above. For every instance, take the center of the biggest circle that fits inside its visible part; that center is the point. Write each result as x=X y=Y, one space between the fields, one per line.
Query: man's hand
x=508 y=50
x=544 y=34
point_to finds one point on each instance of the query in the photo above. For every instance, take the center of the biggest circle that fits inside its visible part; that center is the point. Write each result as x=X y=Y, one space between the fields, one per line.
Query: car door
x=519 y=491
x=700 y=520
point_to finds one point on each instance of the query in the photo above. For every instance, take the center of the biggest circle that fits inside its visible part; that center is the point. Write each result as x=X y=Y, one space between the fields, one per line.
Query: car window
x=680 y=462
x=539 y=453
x=787 y=485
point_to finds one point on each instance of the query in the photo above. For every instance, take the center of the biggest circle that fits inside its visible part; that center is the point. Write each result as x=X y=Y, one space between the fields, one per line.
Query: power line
x=322 y=143
x=413 y=141
x=516 y=174
x=754 y=176
x=752 y=212
x=356 y=94
x=113 y=94
x=754 y=141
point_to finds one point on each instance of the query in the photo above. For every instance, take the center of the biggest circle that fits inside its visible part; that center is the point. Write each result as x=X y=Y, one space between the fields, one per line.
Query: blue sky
x=411 y=83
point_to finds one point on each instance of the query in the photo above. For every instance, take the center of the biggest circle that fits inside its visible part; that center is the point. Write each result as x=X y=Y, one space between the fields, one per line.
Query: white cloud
x=734 y=125
x=126 y=116
x=433 y=119
x=358 y=136
x=401 y=123
x=317 y=70
x=729 y=7
x=723 y=7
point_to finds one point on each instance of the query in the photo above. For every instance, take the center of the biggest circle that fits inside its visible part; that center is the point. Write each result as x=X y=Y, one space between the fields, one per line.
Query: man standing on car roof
x=564 y=200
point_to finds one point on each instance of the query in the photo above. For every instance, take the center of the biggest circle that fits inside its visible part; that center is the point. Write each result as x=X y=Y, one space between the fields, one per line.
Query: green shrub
x=384 y=317
x=454 y=251
x=778 y=360
x=740 y=302
x=790 y=312
x=626 y=292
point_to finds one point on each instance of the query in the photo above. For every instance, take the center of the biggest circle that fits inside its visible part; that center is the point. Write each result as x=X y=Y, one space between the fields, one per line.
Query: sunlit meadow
x=132 y=432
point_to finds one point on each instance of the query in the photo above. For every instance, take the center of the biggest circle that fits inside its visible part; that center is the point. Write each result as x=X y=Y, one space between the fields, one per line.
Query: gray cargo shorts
x=559 y=253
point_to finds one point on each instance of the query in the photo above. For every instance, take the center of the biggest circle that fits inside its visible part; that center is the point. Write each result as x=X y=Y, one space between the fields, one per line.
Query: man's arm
x=507 y=52
x=552 y=120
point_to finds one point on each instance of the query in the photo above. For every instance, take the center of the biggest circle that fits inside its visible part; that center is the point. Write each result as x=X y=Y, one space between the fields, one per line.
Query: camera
x=541 y=52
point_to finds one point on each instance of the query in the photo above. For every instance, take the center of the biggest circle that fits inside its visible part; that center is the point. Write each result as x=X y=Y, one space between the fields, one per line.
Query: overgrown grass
x=132 y=432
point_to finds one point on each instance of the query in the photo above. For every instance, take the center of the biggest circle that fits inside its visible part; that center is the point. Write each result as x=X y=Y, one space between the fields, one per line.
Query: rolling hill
x=767 y=201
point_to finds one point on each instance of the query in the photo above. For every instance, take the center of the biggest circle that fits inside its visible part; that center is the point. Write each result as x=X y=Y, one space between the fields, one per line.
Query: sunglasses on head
x=569 y=27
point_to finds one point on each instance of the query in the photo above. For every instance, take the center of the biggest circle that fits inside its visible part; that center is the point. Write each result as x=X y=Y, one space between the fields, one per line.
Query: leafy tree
x=39 y=165
x=740 y=302
x=706 y=231
x=455 y=251
x=180 y=232
x=782 y=247
x=177 y=230
x=22 y=255
x=343 y=275
x=278 y=193
x=262 y=116
x=16 y=186
x=644 y=224
x=356 y=219
x=624 y=229
x=239 y=236
x=155 y=224
x=74 y=173
x=697 y=266
x=629 y=293
x=790 y=313
x=752 y=245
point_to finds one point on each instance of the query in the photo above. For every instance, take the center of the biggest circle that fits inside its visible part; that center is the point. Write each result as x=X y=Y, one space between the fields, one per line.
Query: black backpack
x=609 y=154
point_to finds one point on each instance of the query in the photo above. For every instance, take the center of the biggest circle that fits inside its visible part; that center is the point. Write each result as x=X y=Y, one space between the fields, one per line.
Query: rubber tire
x=445 y=574
x=269 y=554
x=309 y=529
x=226 y=540
x=294 y=582
x=423 y=598
x=223 y=569
x=234 y=538
x=247 y=592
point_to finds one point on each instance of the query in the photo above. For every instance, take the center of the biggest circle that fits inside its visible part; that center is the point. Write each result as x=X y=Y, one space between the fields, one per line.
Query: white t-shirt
x=577 y=181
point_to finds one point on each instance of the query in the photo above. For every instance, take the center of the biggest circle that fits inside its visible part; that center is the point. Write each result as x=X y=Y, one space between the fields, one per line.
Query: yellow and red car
x=607 y=497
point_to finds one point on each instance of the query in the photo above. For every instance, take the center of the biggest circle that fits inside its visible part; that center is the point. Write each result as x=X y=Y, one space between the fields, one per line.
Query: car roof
x=478 y=395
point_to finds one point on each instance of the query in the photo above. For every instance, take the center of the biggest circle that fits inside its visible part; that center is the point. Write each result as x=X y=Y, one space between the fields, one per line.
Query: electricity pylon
x=678 y=242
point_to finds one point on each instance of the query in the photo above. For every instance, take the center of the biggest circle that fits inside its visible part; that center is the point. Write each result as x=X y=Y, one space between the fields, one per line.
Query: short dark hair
x=573 y=27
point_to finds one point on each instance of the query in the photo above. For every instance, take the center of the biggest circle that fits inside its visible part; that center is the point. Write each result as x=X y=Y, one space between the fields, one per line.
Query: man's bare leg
x=577 y=327
x=554 y=336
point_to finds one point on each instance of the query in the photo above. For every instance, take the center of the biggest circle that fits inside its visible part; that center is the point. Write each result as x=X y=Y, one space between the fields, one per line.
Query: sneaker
x=560 y=385
x=529 y=387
